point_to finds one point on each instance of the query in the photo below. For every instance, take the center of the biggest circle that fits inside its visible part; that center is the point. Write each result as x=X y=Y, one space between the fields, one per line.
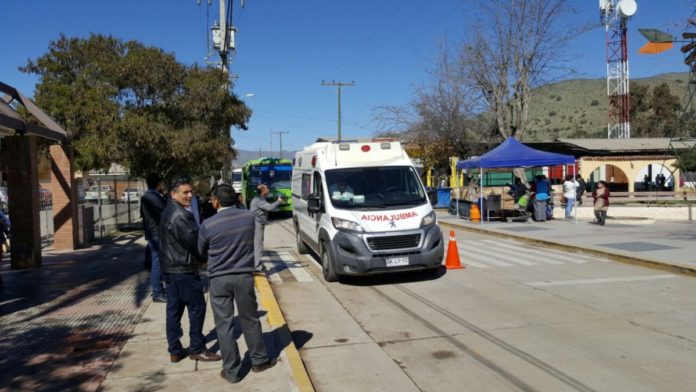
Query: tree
x=514 y=46
x=441 y=120
x=654 y=114
x=128 y=103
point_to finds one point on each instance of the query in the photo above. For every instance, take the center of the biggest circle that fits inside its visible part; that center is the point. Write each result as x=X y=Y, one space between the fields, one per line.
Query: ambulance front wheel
x=301 y=246
x=327 y=265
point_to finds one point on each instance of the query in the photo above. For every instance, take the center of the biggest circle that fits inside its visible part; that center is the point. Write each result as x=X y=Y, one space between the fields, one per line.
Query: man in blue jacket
x=227 y=240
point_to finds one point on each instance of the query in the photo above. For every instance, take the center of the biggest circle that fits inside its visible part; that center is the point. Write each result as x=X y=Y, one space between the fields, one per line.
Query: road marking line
x=296 y=268
x=600 y=280
x=482 y=258
x=277 y=321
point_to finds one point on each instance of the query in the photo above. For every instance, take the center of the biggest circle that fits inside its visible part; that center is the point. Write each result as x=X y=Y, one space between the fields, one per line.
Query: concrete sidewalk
x=660 y=244
x=84 y=321
x=143 y=364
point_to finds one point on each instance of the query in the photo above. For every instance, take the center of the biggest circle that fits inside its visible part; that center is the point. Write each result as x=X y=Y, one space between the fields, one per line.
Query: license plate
x=396 y=261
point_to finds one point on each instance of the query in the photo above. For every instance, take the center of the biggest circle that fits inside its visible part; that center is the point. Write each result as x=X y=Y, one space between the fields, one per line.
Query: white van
x=237 y=180
x=362 y=207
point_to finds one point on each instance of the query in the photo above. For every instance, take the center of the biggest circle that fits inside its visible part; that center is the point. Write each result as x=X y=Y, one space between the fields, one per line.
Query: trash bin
x=443 y=198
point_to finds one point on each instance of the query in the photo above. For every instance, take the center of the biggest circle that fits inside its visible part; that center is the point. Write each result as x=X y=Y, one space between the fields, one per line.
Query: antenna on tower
x=614 y=15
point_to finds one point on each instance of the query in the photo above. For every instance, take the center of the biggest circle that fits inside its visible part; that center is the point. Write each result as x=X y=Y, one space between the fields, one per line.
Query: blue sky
x=286 y=48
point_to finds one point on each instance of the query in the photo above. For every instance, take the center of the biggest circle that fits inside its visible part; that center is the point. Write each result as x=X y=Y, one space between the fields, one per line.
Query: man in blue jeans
x=151 y=206
x=178 y=233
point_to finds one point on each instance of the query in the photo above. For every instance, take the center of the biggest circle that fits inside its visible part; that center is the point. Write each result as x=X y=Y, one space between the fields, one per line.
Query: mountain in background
x=580 y=106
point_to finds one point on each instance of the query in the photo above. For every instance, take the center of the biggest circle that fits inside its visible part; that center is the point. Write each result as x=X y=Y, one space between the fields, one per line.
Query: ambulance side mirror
x=314 y=203
x=432 y=196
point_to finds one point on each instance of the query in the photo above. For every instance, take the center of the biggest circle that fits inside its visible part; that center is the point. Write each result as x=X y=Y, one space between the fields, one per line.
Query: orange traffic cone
x=453 y=261
x=475 y=214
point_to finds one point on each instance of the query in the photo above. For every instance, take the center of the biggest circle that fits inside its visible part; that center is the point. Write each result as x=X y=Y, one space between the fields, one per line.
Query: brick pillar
x=19 y=155
x=64 y=189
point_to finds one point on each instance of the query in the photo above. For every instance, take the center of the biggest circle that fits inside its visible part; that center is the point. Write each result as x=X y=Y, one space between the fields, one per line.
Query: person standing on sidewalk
x=226 y=240
x=179 y=256
x=4 y=237
x=152 y=204
x=260 y=208
x=601 y=202
x=581 y=189
x=541 y=190
x=570 y=188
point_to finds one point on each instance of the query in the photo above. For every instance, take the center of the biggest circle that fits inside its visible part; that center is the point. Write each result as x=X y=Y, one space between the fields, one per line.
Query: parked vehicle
x=275 y=173
x=361 y=206
x=45 y=196
x=130 y=195
x=237 y=180
x=107 y=194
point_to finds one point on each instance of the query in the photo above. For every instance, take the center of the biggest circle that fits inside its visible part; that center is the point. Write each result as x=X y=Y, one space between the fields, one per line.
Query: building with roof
x=636 y=164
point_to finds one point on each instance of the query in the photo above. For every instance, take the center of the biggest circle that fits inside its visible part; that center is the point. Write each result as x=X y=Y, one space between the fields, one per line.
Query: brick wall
x=64 y=189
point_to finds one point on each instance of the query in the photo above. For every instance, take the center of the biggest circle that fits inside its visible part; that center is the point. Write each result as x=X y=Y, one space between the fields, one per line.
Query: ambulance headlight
x=428 y=220
x=344 y=224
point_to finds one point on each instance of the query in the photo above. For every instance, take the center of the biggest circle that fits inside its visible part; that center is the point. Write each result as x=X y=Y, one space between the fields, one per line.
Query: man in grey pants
x=226 y=240
x=260 y=208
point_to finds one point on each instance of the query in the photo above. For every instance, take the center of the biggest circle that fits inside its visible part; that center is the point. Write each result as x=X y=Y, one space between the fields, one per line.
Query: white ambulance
x=361 y=206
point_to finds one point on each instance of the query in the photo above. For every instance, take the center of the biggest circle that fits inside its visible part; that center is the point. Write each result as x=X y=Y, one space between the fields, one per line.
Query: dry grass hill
x=578 y=107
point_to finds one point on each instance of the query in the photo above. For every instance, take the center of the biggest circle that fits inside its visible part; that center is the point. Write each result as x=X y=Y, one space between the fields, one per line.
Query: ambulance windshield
x=375 y=187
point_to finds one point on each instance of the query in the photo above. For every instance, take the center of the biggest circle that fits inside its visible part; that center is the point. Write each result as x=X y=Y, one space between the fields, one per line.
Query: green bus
x=276 y=173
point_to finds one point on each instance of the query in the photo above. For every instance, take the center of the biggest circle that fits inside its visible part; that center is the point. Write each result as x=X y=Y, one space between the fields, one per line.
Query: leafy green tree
x=654 y=113
x=136 y=105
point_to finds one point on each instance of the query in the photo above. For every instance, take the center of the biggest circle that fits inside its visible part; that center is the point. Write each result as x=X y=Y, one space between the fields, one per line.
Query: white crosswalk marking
x=497 y=253
x=519 y=251
x=295 y=267
x=480 y=257
x=487 y=253
x=279 y=261
x=559 y=255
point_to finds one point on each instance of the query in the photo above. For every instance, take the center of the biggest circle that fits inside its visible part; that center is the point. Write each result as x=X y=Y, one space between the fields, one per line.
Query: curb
x=645 y=262
x=276 y=320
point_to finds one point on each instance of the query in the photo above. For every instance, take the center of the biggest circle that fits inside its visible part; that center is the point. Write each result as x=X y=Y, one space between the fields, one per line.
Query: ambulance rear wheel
x=327 y=265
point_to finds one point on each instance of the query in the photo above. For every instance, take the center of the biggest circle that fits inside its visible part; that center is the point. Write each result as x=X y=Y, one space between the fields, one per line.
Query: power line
x=339 y=85
x=280 y=136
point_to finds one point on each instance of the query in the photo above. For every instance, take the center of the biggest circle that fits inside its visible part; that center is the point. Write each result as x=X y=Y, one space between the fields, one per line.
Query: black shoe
x=159 y=298
x=231 y=381
x=264 y=366
x=174 y=358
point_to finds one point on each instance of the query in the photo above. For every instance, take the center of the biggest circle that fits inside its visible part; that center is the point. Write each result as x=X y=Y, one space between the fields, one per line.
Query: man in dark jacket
x=151 y=206
x=226 y=239
x=178 y=232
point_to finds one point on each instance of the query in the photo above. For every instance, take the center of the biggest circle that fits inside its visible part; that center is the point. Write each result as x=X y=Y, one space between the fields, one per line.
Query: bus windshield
x=275 y=176
x=375 y=187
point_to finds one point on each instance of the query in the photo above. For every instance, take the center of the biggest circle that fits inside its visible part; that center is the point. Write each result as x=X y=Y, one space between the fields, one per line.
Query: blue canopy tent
x=512 y=153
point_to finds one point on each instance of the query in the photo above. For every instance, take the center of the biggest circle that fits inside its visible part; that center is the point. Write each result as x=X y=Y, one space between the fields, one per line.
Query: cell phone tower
x=614 y=15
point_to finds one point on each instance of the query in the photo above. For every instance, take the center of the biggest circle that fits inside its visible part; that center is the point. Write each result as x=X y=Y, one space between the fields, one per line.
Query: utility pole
x=339 y=85
x=280 y=135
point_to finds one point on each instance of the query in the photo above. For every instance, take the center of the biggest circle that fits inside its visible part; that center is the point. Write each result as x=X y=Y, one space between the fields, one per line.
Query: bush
x=558 y=98
x=594 y=102
x=552 y=113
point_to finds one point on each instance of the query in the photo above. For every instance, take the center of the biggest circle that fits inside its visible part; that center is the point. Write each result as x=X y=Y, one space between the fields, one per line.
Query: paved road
x=517 y=318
